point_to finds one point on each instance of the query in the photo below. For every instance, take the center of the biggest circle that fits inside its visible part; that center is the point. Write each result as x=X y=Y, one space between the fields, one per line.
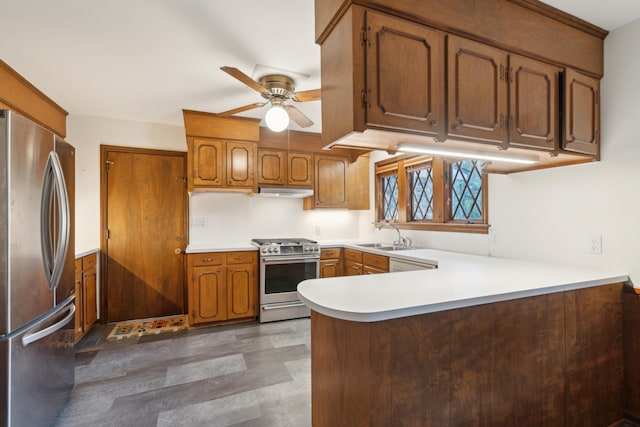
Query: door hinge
x=108 y=234
x=108 y=164
x=363 y=98
x=364 y=36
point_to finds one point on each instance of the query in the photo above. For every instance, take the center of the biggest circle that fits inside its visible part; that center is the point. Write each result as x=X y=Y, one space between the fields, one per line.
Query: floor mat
x=138 y=328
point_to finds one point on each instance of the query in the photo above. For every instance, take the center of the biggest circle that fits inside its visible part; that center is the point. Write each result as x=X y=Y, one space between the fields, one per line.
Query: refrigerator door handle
x=33 y=337
x=54 y=258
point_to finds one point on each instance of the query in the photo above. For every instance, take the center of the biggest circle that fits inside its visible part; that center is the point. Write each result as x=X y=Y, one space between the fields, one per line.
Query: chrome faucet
x=402 y=242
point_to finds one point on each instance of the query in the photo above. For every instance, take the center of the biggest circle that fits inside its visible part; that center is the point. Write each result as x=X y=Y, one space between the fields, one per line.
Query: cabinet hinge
x=364 y=36
x=363 y=98
x=108 y=163
x=108 y=234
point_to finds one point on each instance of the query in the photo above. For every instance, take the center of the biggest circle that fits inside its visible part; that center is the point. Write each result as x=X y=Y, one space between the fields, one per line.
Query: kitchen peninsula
x=479 y=340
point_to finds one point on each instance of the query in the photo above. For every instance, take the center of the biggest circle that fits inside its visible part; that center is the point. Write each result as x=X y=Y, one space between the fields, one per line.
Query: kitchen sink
x=384 y=246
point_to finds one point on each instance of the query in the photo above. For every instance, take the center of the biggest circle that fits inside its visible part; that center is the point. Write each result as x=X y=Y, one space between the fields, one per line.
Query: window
x=421 y=192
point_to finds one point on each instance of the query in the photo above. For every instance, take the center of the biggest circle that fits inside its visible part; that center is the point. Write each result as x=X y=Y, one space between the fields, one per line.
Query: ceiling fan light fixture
x=277 y=118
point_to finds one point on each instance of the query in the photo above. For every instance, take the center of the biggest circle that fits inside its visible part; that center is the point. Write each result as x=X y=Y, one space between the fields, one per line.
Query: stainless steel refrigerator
x=36 y=272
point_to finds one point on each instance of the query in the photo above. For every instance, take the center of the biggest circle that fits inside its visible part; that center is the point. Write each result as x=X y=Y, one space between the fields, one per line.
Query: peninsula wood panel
x=506 y=363
x=631 y=320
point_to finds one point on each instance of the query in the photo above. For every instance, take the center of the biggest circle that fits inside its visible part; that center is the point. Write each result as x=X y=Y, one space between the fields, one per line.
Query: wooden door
x=208 y=295
x=207 y=167
x=477 y=92
x=242 y=286
x=241 y=157
x=299 y=169
x=582 y=113
x=404 y=75
x=272 y=167
x=533 y=103
x=143 y=198
x=331 y=182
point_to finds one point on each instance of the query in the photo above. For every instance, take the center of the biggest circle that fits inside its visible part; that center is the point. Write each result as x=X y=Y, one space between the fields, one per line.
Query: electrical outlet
x=318 y=230
x=594 y=244
x=199 y=222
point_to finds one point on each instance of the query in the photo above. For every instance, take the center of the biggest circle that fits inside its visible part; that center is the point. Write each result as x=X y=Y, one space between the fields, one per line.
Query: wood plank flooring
x=248 y=374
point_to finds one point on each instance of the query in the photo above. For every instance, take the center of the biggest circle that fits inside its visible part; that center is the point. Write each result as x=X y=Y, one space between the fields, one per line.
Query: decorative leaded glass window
x=420 y=180
x=389 y=186
x=466 y=191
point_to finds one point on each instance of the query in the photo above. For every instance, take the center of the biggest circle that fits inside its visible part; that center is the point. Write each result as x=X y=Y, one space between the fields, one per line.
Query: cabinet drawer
x=242 y=257
x=352 y=268
x=330 y=253
x=379 y=262
x=208 y=258
x=78 y=265
x=89 y=261
x=352 y=255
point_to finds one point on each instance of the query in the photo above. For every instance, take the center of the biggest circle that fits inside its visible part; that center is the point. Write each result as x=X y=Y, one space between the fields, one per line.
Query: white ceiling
x=146 y=60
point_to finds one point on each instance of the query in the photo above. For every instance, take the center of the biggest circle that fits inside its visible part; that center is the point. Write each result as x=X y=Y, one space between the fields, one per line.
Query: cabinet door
x=477 y=91
x=404 y=75
x=534 y=101
x=352 y=268
x=79 y=321
x=330 y=268
x=208 y=162
x=89 y=296
x=242 y=289
x=207 y=295
x=582 y=113
x=300 y=169
x=240 y=163
x=331 y=182
x=272 y=167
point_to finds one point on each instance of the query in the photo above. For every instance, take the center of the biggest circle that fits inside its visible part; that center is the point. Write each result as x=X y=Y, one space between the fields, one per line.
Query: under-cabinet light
x=409 y=147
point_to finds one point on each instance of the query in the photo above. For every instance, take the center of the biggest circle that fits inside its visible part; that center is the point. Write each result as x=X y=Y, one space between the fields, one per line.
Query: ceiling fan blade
x=234 y=72
x=307 y=95
x=298 y=116
x=241 y=109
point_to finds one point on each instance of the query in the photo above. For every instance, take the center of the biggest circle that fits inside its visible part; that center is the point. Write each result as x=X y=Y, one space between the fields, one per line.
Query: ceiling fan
x=276 y=88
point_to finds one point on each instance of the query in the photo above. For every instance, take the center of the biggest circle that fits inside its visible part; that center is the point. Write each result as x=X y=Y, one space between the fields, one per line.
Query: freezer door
x=42 y=369
x=66 y=155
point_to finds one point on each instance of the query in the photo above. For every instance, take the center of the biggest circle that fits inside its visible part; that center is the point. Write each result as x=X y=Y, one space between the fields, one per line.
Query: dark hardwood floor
x=247 y=374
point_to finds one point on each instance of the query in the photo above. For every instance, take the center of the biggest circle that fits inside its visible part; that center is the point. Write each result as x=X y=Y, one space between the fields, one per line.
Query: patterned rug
x=138 y=328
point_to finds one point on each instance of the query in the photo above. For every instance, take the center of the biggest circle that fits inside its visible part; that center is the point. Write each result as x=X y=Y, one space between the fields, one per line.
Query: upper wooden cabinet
x=339 y=183
x=582 y=113
x=276 y=167
x=404 y=75
x=221 y=164
x=440 y=77
x=501 y=99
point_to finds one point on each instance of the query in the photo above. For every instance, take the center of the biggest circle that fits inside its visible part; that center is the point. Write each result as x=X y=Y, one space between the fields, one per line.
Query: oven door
x=280 y=276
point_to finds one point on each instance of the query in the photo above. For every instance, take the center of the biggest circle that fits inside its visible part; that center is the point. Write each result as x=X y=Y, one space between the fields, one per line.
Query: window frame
x=441 y=175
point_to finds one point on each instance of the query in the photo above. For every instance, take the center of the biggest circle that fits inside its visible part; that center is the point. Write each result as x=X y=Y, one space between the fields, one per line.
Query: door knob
x=178 y=251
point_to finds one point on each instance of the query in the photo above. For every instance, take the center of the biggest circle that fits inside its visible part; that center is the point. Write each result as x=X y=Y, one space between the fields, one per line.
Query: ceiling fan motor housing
x=278 y=85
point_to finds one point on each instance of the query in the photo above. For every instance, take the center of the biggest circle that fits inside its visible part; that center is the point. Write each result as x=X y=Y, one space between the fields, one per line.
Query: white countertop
x=459 y=281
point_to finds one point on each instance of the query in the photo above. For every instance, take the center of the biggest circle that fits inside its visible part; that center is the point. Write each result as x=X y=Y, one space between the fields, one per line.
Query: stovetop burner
x=287 y=246
x=285 y=241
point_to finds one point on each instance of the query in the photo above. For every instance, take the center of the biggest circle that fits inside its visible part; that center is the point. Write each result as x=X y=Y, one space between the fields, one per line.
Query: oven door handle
x=279 y=306
x=289 y=260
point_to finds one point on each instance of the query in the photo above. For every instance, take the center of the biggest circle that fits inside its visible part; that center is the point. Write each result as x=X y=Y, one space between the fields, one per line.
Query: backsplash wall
x=232 y=220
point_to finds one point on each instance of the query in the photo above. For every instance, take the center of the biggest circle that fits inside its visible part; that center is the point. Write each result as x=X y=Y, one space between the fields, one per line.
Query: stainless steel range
x=284 y=263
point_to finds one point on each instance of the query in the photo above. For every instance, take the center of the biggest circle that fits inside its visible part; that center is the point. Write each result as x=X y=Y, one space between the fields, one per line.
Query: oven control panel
x=289 y=250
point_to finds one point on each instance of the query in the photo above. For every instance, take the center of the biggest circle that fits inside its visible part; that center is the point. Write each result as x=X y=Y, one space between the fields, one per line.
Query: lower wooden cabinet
x=86 y=293
x=222 y=286
x=331 y=264
x=358 y=262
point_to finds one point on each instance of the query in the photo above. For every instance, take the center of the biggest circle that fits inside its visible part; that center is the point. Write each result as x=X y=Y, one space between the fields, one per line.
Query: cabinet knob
x=207 y=259
x=434 y=123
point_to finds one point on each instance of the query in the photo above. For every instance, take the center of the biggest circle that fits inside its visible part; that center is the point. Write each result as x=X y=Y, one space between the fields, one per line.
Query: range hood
x=284 y=191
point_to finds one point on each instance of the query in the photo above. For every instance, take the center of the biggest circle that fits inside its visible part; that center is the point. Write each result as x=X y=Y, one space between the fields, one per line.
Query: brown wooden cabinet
x=358 y=262
x=86 y=293
x=501 y=99
x=352 y=262
x=222 y=286
x=384 y=77
x=331 y=264
x=340 y=183
x=222 y=164
x=582 y=113
x=276 y=167
x=404 y=86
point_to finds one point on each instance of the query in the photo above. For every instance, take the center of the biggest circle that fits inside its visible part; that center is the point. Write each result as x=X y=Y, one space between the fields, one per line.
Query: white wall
x=547 y=215
x=86 y=134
